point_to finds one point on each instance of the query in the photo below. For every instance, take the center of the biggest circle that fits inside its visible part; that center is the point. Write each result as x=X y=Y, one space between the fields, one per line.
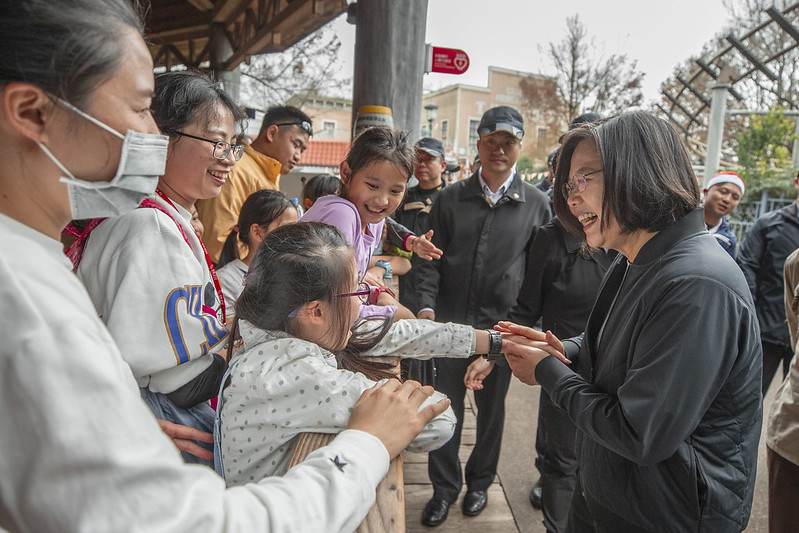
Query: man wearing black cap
x=485 y=226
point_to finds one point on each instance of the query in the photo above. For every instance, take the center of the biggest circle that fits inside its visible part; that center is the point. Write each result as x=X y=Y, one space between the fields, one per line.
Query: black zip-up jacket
x=561 y=281
x=761 y=256
x=485 y=247
x=667 y=402
x=413 y=213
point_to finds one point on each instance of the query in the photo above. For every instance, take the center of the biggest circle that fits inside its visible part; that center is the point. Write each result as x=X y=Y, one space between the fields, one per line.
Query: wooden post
x=388 y=513
x=389 y=59
x=220 y=51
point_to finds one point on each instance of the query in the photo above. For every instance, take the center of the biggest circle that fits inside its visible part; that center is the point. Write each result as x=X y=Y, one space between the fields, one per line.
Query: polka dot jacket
x=282 y=386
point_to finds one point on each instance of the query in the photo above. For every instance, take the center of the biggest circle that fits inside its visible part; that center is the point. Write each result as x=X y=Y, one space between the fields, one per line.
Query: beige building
x=459 y=110
x=460 y=107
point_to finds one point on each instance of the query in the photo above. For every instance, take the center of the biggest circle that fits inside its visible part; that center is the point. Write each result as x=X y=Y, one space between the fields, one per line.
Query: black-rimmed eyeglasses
x=304 y=124
x=362 y=294
x=221 y=148
x=577 y=182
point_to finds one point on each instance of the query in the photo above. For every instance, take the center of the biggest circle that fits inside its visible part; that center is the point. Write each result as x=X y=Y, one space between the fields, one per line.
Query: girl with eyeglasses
x=302 y=365
x=147 y=272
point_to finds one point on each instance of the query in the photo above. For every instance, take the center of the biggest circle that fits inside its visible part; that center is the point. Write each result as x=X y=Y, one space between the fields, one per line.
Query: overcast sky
x=507 y=33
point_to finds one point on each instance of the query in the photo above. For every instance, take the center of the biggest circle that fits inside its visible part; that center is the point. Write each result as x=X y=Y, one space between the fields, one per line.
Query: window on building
x=541 y=137
x=473 y=135
x=328 y=129
x=444 y=129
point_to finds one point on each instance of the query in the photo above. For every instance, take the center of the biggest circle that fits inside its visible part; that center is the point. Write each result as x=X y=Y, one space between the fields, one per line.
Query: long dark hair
x=261 y=207
x=649 y=181
x=297 y=264
x=66 y=47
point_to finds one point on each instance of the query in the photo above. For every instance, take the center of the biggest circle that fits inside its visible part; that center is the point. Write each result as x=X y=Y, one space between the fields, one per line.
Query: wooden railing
x=388 y=513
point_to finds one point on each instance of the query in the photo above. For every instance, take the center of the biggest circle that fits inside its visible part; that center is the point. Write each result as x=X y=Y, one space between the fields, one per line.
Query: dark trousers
x=774 y=356
x=783 y=493
x=443 y=465
x=587 y=516
x=556 y=461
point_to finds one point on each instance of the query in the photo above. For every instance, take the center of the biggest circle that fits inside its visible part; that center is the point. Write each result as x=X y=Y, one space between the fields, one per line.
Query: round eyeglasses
x=577 y=183
x=221 y=148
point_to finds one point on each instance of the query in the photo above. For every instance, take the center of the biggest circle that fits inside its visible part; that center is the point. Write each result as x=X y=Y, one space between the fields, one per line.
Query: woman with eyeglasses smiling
x=147 y=272
x=665 y=382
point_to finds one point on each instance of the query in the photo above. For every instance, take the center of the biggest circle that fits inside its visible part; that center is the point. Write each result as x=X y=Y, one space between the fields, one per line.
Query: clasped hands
x=524 y=348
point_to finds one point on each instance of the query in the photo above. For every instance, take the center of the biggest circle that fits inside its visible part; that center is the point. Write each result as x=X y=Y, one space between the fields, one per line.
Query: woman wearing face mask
x=78 y=449
x=148 y=274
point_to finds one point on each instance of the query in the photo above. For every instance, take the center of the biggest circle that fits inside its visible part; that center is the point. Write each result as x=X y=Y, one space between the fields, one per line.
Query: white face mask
x=142 y=162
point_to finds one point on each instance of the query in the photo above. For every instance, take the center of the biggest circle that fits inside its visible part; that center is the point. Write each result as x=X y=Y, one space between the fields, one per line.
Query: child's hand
x=425 y=249
x=183 y=437
x=374 y=277
x=477 y=372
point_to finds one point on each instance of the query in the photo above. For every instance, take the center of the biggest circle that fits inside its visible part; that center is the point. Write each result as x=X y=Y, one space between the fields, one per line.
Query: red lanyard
x=214 y=277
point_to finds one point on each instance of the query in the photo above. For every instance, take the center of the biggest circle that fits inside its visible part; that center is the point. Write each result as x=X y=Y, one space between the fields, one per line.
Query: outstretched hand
x=390 y=412
x=525 y=347
x=424 y=248
x=476 y=372
x=184 y=436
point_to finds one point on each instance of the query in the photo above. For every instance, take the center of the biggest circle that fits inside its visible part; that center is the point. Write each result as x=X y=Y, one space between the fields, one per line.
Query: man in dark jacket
x=761 y=256
x=485 y=226
x=414 y=210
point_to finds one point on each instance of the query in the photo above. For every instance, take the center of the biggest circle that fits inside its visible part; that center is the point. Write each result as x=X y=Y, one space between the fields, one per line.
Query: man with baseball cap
x=415 y=208
x=484 y=225
x=722 y=195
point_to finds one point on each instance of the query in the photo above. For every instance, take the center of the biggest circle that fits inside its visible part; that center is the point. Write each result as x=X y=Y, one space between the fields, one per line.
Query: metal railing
x=747 y=212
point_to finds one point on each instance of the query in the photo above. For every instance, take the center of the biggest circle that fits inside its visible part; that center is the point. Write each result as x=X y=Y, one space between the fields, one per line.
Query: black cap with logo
x=502 y=118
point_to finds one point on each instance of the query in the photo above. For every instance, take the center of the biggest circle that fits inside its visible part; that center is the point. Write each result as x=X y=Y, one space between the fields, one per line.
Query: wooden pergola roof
x=223 y=33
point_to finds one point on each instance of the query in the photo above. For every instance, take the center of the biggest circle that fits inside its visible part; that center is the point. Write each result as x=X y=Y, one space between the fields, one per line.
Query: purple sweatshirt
x=342 y=213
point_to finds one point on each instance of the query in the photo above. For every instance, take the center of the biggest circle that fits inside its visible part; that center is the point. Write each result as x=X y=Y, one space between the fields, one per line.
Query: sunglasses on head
x=304 y=124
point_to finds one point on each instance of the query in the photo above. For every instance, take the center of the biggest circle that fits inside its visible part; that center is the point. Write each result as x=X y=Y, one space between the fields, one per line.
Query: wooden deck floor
x=497 y=516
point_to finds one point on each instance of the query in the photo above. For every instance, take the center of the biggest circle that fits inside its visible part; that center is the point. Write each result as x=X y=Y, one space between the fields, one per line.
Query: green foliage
x=764 y=153
x=524 y=164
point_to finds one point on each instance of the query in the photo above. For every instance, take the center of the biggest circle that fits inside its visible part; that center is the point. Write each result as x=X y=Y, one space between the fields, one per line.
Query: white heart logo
x=461 y=61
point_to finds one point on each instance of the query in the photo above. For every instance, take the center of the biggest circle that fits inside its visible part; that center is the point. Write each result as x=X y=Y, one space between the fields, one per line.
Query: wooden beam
x=738 y=45
x=202 y=5
x=786 y=26
x=682 y=108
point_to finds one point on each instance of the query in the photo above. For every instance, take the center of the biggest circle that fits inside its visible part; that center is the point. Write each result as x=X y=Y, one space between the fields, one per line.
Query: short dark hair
x=649 y=182
x=321 y=185
x=185 y=97
x=283 y=113
x=262 y=208
x=382 y=144
x=66 y=47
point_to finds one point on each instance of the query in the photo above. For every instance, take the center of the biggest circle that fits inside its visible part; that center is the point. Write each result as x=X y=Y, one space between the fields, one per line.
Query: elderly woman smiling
x=664 y=382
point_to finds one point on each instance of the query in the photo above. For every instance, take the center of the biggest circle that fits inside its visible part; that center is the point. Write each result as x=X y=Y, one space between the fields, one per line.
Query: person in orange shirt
x=283 y=138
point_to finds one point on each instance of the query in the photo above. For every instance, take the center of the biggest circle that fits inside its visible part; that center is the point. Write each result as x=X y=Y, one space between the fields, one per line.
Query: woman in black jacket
x=665 y=382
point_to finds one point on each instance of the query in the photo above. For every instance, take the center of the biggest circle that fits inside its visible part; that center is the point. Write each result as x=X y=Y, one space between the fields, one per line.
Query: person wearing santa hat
x=722 y=195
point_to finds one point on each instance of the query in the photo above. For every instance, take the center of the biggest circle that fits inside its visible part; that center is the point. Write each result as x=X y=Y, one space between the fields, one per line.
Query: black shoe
x=535 y=495
x=435 y=512
x=474 y=502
